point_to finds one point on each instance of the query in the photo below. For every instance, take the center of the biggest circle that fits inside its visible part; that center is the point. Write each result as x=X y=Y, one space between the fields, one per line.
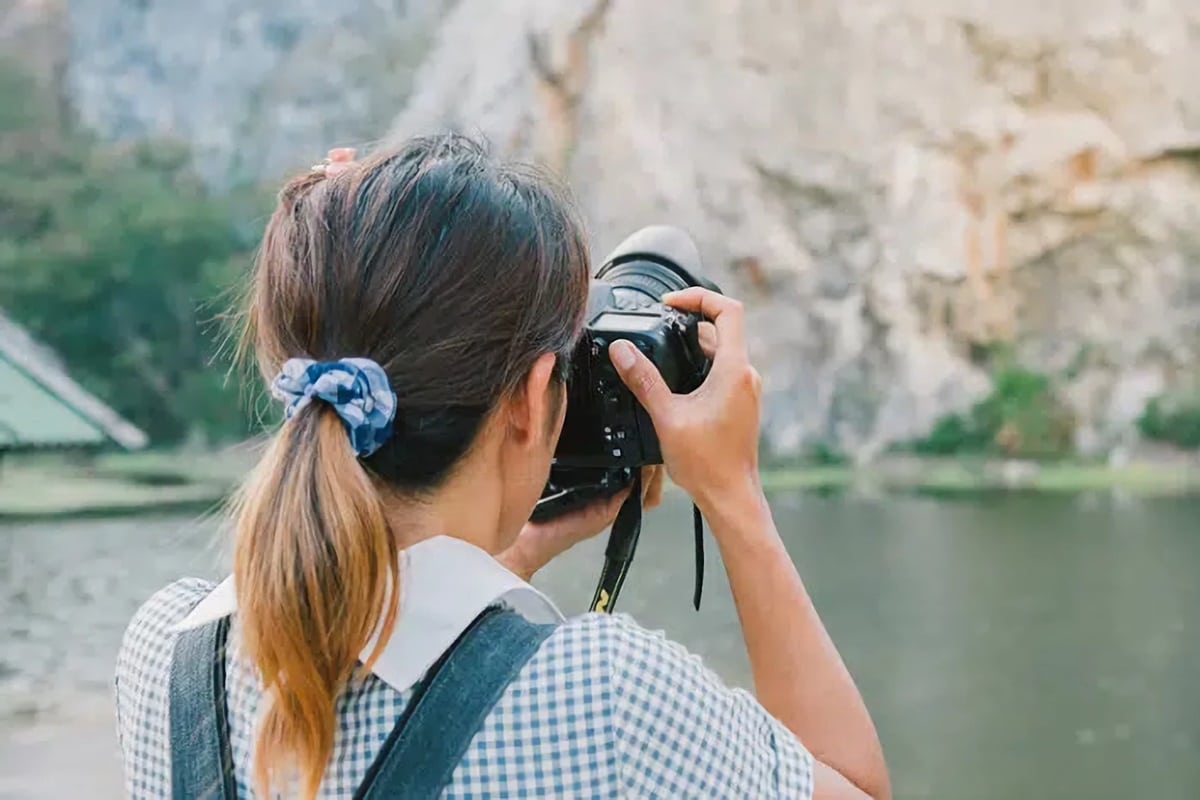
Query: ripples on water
x=67 y=589
x=1012 y=647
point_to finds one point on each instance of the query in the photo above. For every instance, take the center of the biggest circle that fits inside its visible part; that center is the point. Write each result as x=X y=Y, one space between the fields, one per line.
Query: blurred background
x=966 y=233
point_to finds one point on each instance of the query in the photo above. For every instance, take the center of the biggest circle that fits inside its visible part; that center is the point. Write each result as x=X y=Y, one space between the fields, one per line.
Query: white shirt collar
x=444 y=584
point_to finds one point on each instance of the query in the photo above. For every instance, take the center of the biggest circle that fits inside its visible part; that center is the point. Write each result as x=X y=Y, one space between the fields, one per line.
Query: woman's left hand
x=338 y=160
x=540 y=542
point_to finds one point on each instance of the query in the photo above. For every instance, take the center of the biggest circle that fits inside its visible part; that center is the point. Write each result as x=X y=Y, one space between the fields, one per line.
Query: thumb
x=641 y=376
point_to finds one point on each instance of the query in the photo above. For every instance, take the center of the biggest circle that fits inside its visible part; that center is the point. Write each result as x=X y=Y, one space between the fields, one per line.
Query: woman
x=415 y=312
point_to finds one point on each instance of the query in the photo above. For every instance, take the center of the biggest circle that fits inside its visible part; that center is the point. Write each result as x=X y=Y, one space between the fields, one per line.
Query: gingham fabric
x=603 y=709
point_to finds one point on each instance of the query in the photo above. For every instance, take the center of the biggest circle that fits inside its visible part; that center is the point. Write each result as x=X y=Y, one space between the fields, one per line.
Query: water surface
x=1010 y=647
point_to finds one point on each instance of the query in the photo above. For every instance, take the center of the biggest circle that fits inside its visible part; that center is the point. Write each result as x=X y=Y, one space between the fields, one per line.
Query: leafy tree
x=117 y=257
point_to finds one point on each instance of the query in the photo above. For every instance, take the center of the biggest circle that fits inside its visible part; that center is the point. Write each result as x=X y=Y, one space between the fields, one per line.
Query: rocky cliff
x=256 y=87
x=896 y=187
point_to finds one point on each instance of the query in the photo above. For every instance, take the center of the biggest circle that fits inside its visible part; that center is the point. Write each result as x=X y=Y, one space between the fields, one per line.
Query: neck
x=466 y=506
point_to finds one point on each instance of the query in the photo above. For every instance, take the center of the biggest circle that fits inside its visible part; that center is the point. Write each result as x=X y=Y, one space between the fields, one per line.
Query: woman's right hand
x=710 y=444
x=709 y=438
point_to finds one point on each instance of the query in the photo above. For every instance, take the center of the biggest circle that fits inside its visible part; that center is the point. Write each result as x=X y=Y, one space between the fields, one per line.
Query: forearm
x=526 y=555
x=798 y=674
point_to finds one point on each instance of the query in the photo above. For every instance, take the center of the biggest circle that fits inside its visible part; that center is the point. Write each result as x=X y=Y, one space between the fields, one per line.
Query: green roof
x=41 y=406
x=30 y=416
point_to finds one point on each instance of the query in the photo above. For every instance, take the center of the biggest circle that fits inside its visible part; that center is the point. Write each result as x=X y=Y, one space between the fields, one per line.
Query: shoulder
x=611 y=633
x=644 y=673
x=635 y=655
x=613 y=647
x=678 y=725
x=143 y=671
x=152 y=628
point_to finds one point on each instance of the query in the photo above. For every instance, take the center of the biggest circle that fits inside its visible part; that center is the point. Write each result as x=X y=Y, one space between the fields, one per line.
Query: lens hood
x=666 y=245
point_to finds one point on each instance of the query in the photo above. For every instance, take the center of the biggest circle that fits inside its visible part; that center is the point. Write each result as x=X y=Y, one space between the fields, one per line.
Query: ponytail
x=314 y=563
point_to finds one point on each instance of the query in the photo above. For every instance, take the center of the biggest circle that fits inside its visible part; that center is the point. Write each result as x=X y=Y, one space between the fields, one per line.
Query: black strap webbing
x=618 y=553
x=698 y=537
x=201 y=758
x=622 y=544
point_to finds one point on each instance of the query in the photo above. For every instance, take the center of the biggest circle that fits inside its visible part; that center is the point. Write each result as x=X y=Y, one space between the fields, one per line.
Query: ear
x=530 y=407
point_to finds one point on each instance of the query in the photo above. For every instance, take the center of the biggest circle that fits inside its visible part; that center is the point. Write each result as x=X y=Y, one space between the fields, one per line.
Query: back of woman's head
x=452 y=272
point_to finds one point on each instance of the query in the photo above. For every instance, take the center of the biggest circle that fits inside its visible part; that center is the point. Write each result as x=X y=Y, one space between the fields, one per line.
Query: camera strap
x=622 y=543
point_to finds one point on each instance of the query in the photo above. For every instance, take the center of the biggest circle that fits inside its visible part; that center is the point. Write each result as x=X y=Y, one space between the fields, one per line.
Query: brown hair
x=454 y=273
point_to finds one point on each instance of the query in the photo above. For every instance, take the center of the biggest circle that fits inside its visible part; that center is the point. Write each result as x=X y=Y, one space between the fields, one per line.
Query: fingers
x=707 y=335
x=614 y=505
x=599 y=514
x=581 y=523
x=340 y=160
x=726 y=315
x=641 y=376
x=652 y=486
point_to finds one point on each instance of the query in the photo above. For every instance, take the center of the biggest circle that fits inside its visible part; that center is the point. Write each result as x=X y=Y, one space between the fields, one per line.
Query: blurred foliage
x=827 y=454
x=118 y=258
x=1173 y=418
x=1021 y=417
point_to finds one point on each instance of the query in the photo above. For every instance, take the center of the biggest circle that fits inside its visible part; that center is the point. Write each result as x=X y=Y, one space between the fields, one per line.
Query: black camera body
x=607 y=435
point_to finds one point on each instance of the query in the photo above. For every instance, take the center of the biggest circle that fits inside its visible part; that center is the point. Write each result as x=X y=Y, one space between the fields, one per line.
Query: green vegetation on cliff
x=1173 y=419
x=1021 y=417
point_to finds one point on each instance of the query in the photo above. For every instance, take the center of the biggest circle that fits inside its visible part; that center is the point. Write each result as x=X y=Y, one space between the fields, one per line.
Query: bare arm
x=798 y=675
x=710 y=446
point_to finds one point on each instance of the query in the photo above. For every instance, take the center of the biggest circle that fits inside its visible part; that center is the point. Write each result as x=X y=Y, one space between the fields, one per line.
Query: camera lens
x=651 y=262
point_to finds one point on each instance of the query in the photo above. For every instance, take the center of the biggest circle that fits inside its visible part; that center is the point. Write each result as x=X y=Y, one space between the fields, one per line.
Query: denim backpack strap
x=201 y=758
x=449 y=706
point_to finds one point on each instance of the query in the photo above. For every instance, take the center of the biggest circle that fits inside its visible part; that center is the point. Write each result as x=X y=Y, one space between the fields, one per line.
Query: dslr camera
x=607 y=435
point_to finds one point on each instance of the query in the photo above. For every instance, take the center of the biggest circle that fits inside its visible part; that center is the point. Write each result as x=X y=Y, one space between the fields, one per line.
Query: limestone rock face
x=257 y=87
x=33 y=33
x=892 y=186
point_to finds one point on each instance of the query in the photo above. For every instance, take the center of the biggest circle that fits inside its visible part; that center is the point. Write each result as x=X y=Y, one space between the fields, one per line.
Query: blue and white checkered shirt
x=603 y=709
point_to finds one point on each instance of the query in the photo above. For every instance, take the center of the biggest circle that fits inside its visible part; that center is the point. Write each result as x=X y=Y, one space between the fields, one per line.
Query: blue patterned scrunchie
x=357 y=388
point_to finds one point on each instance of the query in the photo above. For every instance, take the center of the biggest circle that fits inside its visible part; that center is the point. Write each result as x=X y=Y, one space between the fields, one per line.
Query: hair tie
x=357 y=388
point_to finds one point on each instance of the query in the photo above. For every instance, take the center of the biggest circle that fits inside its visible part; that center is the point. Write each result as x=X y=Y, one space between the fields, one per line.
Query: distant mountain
x=258 y=87
x=900 y=189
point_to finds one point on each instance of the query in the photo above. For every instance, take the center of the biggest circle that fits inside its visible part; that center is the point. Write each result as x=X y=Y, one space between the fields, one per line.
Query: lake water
x=1009 y=647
